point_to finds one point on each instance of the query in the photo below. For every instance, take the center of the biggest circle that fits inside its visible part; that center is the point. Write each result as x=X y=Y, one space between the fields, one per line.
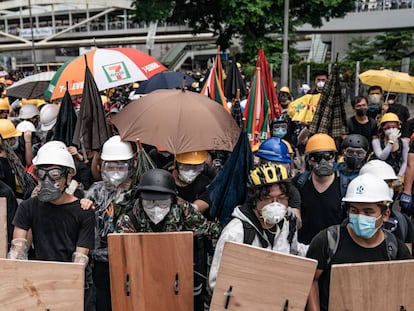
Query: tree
x=252 y=21
x=360 y=49
x=394 y=45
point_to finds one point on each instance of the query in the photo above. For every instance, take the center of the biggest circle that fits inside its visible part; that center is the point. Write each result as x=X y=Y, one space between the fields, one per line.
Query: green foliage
x=359 y=49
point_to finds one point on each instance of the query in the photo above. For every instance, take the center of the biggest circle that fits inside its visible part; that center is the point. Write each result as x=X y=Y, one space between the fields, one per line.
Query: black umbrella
x=234 y=82
x=91 y=129
x=229 y=188
x=66 y=120
x=164 y=80
x=330 y=116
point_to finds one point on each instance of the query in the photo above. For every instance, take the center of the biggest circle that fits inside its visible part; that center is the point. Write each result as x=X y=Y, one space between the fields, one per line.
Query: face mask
x=283 y=98
x=362 y=225
x=279 y=132
x=273 y=213
x=375 y=99
x=188 y=176
x=354 y=163
x=388 y=131
x=361 y=112
x=390 y=102
x=320 y=84
x=156 y=213
x=49 y=190
x=114 y=178
x=323 y=168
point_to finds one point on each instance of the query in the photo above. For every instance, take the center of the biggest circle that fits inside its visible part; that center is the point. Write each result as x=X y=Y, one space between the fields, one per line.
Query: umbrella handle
x=139 y=145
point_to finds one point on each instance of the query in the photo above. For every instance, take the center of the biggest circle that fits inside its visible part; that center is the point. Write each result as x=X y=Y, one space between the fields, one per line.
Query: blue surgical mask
x=279 y=132
x=362 y=225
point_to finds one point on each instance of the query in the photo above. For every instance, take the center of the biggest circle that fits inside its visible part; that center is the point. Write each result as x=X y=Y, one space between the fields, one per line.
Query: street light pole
x=285 y=53
x=32 y=35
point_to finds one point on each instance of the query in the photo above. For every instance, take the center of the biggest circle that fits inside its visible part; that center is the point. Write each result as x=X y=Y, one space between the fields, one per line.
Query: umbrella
x=177 y=121
x=3 y=73
x=229 y=188
x=110 y=67
x=392 y=81
x=330 y=117
x=164 y=80
x=66 y=121
x=234 y=82
x=32 y=86
x=303 y=109
x=91 y=130
x=256 y=111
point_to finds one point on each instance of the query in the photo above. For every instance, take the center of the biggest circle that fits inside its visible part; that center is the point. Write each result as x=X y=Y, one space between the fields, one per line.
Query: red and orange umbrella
x=110 y=67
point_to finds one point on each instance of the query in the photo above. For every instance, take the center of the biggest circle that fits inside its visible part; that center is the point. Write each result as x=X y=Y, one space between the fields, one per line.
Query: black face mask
x=361 y=112
x=354 y=163
x=323 y=168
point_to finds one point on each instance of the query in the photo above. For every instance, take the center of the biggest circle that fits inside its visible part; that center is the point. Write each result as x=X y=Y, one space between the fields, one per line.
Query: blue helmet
x=274 y=149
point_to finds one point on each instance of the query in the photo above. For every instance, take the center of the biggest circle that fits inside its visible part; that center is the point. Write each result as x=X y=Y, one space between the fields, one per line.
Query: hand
x=405 y=202
x=393 y=135
x=86 y=204
x=27 y=136
x=72 y=150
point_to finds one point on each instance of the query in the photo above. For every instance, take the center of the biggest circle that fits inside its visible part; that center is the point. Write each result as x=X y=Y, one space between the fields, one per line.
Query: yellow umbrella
x=303 y=108
x=392 y=81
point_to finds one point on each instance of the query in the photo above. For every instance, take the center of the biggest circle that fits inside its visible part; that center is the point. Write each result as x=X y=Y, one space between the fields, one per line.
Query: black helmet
x=355 y=141
x=157 y=180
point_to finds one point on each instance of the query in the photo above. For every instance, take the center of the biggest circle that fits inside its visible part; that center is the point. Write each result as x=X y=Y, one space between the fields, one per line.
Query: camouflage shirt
x=180 y=218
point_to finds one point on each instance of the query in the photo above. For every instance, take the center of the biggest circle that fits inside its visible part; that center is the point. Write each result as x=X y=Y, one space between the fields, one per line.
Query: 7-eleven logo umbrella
x=256 y=111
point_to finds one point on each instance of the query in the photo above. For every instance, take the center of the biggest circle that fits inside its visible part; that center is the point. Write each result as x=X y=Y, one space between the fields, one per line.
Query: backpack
x=333 y=233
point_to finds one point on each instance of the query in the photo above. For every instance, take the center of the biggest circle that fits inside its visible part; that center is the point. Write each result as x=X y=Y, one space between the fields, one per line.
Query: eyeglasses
x=115 y=166
x=4 y=111
x=318 y=156
x=355 y=152
x=153 y=203
x=53 y=173
x=189 y=167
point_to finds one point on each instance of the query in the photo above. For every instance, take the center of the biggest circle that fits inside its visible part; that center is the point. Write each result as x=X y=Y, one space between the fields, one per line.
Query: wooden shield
x=151 y=271
x=387 y=285
x=41 y=285
x=3 y=228
x=251 y=278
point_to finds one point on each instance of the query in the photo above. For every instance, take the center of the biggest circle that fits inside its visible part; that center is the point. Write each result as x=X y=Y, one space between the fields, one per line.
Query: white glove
x=80 y=258
x=393 y=135
x=19 y=249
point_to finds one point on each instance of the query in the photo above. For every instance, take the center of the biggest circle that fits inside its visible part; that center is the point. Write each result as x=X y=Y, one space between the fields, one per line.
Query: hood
x=245 y=213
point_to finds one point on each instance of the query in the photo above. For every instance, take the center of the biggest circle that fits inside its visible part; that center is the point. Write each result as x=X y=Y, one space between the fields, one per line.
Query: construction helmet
x=8 y=130
x=355 y=141
x=268 y=174
x=274 y=149
x=114 y=149
x=28 y=111
x=48 y=116
x=193 y=157
x=320 y=142
x=278 y=120
x=378 y=168
x=4 y=104
x=55 y=153
x=390 y=117
x=367 y=188
x=26 y=126
x=158 y=181
x=285 y=89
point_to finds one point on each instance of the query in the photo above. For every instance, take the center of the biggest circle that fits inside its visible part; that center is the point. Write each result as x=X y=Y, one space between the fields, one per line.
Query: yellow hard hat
x=8 y=130
x=135 y=85
x=104 y=99
x=4 y=104
x=268 y=174
x=390 y=117
x=320 y=142
x=285 y=89
x=193 y=157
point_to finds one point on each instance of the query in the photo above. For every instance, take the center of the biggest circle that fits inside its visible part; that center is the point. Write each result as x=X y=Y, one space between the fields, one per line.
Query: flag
x=275 y=108
x=256 y=111
x=214 y=85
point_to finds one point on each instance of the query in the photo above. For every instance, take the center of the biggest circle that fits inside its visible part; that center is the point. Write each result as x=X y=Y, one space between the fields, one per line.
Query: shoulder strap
x=350 y=125
x=402 y=224
x=373 y=123
x=391 y=244
x=249 y=233
x=332 y=234
x=301 y=180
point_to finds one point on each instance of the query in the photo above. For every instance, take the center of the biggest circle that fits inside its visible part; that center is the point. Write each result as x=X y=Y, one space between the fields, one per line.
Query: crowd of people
x=304 y=192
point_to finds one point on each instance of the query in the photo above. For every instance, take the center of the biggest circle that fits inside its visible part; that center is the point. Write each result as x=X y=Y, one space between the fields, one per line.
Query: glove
x=393 y=135
x=405 y=202
x=80 y=258
x=19 y=249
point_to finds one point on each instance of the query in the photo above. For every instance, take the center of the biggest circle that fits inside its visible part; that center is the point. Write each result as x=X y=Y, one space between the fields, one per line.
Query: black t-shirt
x=6 y=174
x=367 y=130
x=197 y=190
x=57 y=229
x=319 y=210
x=7 y=192
x=347 y=252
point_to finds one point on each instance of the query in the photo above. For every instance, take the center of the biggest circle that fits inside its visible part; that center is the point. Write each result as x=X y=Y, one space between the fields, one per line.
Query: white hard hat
x=28 y=111
x=26 y=126
x=48 y=116
x=367 y=188
x=114 y=149
x=380 y=169
x=55 y=153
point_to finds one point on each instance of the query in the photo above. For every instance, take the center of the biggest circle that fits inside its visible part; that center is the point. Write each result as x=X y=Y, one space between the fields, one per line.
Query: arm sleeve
x=294 y=199
x=23 y=218
x=86 y=237
x=318 y=250
x=404 y=157
x=381 y=154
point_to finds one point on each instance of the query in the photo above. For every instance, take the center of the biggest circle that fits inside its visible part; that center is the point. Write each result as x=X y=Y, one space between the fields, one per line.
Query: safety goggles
x=190 y=167
x=318 y=156
x=388 y=127
x=355 y=152
x=53 y=173
x=280 y=125
x=110 y=166
x=153 y=203
x=4 y=111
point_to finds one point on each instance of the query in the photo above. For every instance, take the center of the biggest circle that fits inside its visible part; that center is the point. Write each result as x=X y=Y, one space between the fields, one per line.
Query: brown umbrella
x=178 y=121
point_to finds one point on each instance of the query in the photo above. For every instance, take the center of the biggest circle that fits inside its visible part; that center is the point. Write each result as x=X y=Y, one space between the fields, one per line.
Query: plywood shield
x=3 y=228
x=387 y=285
x=251 y=278
x=151 y=271
x=41 y=285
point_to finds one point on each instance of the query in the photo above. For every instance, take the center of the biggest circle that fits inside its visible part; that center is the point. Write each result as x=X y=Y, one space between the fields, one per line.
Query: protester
x=320 y=78
x=375 y=102
x=4 y=108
